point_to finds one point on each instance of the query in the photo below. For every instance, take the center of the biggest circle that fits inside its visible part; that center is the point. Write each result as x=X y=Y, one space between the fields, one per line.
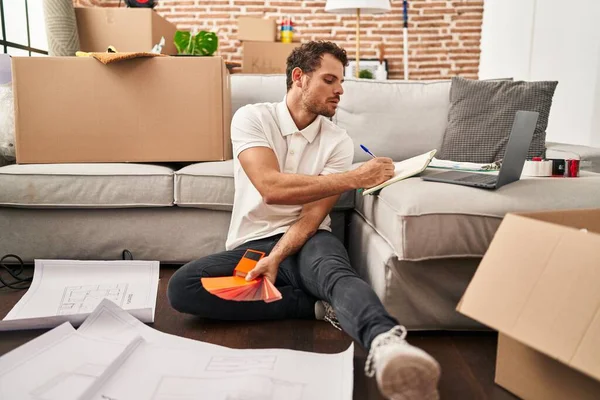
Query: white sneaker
x=402 y=371
x=324 y=312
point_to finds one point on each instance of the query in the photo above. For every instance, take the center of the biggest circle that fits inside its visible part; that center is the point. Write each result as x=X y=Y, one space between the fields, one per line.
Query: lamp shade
x=365 y=6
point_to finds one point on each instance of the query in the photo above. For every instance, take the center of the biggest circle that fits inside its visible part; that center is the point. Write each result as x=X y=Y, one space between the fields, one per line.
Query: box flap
x=161 y=27
x=581 y=219
x=539 y=284
x=530 y=374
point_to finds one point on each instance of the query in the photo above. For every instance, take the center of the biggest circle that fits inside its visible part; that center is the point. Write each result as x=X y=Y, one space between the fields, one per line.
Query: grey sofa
x=417 y=243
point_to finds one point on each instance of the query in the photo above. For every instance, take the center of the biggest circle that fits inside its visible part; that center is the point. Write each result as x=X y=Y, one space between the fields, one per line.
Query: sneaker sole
x=411 y=377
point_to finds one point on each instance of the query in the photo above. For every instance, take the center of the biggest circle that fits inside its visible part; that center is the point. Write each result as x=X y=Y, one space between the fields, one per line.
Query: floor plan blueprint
x=84 y=299
x=241 y=363
x=60 y=364
x=67 y=290
x=251 y=387
x=115 y=356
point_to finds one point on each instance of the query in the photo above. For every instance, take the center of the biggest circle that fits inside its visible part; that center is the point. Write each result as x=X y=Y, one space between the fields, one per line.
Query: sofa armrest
x=589 y=156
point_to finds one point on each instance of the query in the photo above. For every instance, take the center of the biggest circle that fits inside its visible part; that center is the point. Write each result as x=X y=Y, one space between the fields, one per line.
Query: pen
x=367 y=151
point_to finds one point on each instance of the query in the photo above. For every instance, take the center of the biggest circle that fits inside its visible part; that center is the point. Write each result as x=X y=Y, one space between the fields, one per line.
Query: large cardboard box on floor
x=539 y=286
x=127 y=29
x=256 y=29
x=265 y=57
x=150 y=109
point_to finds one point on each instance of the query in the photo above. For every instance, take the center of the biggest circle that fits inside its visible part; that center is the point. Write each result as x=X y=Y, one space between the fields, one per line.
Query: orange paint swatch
x=236 y=287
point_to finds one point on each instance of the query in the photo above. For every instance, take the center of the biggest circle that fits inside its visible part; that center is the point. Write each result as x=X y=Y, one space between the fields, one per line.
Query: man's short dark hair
x=308 y=56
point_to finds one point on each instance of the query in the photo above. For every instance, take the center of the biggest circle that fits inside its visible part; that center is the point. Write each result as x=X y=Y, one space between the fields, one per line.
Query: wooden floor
x=467 y=359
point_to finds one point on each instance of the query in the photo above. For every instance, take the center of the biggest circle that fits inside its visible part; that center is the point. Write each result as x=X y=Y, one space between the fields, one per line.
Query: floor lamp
x=405 y=36
x=357 y=7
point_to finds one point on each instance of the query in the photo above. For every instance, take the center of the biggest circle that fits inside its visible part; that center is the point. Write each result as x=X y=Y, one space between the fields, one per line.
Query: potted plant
x=201 y=44
x=365 y=74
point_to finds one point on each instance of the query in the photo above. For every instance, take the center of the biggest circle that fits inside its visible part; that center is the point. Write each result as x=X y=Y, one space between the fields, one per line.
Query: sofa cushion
x=395 y=119
x=256 y=88
x=86 y=185
x=413 y=113
x=210 y=185
x=426 y=220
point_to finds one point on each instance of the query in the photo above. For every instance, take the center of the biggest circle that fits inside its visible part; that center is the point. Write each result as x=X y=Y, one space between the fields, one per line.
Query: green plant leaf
x=206 y=43
x=182 y=41
x=203 y=44
x=365 y=74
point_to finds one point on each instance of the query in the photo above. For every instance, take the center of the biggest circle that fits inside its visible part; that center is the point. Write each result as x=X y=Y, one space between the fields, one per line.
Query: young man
x=291 y=163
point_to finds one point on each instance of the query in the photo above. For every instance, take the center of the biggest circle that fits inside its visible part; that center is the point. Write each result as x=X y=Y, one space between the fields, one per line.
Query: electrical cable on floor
x=19 y=282
x=127 y=255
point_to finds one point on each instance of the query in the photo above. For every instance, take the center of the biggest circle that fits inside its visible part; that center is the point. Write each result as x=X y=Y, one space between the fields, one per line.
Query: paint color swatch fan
x=237 y=288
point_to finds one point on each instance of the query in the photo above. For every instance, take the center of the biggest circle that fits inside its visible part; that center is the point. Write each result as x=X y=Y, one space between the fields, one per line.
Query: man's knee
x=178 y=291
x=326 y=260
x=324 y=244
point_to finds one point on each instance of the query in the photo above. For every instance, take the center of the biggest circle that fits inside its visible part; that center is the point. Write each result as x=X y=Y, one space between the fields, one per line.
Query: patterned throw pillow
x=481 y=116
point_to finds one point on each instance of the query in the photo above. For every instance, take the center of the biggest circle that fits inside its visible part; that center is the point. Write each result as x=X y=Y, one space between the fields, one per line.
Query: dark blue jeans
x=320 y=270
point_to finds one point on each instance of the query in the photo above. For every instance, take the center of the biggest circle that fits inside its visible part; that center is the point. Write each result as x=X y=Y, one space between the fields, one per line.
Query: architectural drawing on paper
x=69 y=384
x=246 y=387
x=241 y=363
x=84 y=299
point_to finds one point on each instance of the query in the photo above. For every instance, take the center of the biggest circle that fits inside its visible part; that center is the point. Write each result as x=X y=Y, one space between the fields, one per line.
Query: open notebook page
x=405 y=169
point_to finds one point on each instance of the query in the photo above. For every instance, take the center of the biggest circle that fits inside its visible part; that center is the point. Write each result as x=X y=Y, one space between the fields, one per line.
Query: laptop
x=512 y=164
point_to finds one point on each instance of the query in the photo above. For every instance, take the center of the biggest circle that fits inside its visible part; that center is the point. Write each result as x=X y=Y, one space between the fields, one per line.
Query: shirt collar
x=288 y=126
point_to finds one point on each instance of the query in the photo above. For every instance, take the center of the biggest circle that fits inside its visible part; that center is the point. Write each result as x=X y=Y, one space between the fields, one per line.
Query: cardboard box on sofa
x=158 y=109
x=257 y=29
x=538 y=285
x=127 y=29
x=265 y=57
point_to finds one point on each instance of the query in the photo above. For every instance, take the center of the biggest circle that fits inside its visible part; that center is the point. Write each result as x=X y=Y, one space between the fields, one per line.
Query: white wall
x=595 y=134
x=506 y=39
x=549 y=40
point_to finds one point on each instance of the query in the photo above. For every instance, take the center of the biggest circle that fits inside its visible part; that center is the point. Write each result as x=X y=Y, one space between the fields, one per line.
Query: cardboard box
x=127 y=29
x=539 y=286
x=160 y=109
x=266 y=58
x=257 y=29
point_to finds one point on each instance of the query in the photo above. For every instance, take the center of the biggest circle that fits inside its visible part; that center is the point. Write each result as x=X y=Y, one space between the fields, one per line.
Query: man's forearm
x=303 y=189
x=295 y=237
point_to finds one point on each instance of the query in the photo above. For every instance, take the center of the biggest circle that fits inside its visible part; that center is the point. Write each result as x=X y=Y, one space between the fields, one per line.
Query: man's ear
x=297 y=76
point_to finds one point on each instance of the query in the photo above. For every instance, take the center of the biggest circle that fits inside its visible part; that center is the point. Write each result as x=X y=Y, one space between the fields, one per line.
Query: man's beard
x=315 y=108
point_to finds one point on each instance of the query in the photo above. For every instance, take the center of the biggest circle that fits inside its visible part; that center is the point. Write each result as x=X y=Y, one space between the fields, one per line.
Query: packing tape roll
x=537 y=168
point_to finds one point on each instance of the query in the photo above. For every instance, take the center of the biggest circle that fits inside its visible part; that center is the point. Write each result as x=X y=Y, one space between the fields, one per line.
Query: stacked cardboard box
x=257 y=29
x=148 y=109
x=539 y=286
x=262 y=54
x=127 y=29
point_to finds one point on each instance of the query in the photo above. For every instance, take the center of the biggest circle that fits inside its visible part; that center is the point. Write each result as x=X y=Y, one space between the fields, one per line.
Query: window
x=22 y=28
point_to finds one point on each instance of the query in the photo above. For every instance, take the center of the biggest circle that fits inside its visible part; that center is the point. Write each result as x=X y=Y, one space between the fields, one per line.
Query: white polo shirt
x=321 y=148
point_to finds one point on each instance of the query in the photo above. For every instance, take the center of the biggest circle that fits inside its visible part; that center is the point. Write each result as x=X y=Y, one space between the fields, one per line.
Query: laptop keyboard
x=479 y=178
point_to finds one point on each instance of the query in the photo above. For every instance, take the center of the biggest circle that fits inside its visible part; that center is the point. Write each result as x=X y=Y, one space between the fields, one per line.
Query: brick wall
x=444 y=36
